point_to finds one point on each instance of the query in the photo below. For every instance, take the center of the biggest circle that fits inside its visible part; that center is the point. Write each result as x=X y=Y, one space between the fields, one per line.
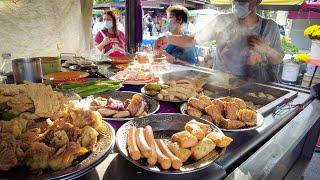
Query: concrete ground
x=312 y=172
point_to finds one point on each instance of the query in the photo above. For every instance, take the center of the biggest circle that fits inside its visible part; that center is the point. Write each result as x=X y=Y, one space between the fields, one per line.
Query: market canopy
x=264 y=2
x=284 y=5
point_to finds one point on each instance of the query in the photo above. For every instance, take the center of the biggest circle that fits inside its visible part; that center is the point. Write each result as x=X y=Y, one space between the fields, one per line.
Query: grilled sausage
x=132 y=145
x=176 y=162
x=143 y=146
x=148 y=134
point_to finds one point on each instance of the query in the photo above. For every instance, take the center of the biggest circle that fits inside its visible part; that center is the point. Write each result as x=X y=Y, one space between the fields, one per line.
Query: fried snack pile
x=39 y=99
x=180 y=90
x=196 y=141
x=49 y=144
x=109 y=107
x=228 y=113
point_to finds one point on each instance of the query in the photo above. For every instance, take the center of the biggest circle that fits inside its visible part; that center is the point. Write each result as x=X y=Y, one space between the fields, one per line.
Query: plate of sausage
x=171 y=143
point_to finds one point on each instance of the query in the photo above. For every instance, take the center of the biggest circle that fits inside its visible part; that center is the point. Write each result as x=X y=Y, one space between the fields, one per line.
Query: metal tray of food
x=164 y=125
x=215 y=78
x=152 y=105
x=80 y=166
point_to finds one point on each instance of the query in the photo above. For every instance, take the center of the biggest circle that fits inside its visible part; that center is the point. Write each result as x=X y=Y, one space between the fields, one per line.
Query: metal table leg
x=314 y=73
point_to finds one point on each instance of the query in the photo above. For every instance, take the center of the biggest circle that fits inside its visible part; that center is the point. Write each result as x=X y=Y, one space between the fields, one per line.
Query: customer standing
x=98 y=25
x=110 y=35
x=178 y=16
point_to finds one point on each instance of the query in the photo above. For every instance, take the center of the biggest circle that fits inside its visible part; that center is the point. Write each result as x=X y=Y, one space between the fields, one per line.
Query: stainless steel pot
x=27 y=69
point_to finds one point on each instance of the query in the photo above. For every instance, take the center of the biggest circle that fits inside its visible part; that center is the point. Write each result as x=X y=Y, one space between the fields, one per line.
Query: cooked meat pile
x=109 y=107
x=228 y=113
x=49 y=144
x=39 y=99
x=181 y=90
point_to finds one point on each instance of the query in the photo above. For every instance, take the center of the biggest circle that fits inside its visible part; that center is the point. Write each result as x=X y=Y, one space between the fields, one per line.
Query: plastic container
x=50 y=64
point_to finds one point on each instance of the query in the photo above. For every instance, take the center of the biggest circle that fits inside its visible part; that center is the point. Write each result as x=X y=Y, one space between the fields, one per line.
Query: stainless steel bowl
x=27 y=69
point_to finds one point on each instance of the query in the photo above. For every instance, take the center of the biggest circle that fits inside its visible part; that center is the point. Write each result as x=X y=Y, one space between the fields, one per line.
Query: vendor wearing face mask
x=243 y=38
x=178 y=16
x=110 y=34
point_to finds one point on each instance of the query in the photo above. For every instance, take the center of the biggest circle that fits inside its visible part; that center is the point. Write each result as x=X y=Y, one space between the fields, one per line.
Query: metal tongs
x=286 y=105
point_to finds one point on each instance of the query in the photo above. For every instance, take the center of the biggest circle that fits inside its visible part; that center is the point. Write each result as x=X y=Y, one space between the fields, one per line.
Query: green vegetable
x=98 y=90
x=92 y=87
x=152 y=93
x=152 y=87
x=4 y=115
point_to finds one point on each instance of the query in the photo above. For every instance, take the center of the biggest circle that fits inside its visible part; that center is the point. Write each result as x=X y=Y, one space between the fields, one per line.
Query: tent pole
x=131 y=9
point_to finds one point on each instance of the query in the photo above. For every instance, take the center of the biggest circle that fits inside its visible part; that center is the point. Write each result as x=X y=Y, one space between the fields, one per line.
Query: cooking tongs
x=286 y=105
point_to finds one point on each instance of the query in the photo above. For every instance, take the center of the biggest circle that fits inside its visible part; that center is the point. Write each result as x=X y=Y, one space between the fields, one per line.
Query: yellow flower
x=302 y=58
x=316 y=34
x=309 y=30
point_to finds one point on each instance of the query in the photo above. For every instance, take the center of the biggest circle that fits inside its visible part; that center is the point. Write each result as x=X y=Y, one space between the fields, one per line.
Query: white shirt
x=98 y=26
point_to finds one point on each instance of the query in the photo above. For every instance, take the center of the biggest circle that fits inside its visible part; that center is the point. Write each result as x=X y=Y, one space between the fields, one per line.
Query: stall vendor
x=178 y=16
x=110 y=35
x=243 y=39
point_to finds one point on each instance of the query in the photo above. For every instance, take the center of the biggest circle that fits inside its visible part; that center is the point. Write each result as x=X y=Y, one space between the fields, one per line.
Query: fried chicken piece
x=203 y=148
x=64 y=156
x=225 y=99
x=231 y=109
x=240 y=103
x=193 y=111
x=37 y=155
x=219 y=139
x=135 y=105
x=88 y=138
x=8 y=158
x=197 y=103
x=184 y=138
x=72 y=132
x=205 y=99
x=231 y=124
x=219 y=104
x=247 y=116
x=31 y=135
x=16 y=126
x=60 y=138
x=214 y=112
x=182 y=153
x=207 y=117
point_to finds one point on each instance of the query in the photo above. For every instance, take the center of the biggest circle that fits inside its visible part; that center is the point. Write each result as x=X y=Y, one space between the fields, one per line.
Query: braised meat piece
x=194 y=112
x=247 y=116
x=197 y=103
x=219 y=104
x=8 y=158
x=213 y=111
x=240 y=103
x=231 y=124
x=231 y=109
x=207 y=117
x=136 y=105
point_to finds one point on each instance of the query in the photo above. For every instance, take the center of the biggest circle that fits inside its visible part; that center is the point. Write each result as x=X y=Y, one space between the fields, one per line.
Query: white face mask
x=108 y=24
x=240 y=9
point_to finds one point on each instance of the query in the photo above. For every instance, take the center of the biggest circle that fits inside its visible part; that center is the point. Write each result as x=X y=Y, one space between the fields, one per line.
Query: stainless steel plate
x=154 y=97
x=152 y=105
x=260 y=119
x=81 y=166
x=164 y=126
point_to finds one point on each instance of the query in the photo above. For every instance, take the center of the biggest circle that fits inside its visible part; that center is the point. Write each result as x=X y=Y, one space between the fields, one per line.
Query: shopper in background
x=178 y=16
x=98 y=25
x=110 y=34
x=150 y=26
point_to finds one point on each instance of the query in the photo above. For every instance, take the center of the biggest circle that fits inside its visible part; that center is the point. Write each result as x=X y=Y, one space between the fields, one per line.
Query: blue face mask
x=241 y=10
x=170 y=26
x=108 y=24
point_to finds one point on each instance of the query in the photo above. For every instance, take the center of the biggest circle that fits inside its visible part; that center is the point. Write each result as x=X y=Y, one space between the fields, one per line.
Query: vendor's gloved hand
x=258 y=44
x=161 y=42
